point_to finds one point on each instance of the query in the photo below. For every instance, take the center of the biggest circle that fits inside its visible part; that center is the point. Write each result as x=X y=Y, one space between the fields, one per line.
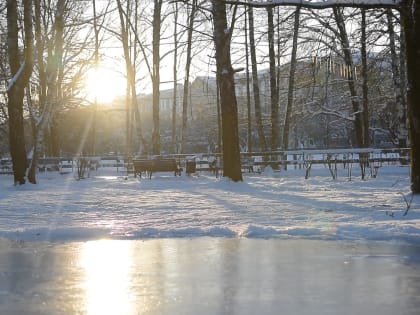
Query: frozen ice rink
x=209 y=275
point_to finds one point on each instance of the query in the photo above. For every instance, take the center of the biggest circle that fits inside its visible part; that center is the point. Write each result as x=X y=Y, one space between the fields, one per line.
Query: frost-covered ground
x=268 y=205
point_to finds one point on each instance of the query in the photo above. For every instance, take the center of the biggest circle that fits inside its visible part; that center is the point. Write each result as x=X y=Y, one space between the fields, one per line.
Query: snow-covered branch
x=15 y=77
x=330 y=112
x=322 y=4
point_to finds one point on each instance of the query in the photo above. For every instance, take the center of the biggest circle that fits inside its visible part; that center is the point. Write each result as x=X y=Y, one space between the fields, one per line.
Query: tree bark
x=273 y=83
x=357 y=112
x=229 y=107
x=129 y=73
x=175 y=86
x=365 y=99
x=255 y=81
x=137 y=117
x=52 y=98
x=396 y=77
x=132 y=110
x=411 y=23
x=403 y=88
x=42 y=85
x=248 y=90
x=191 y=18
x=21 y=72
x=291 y=87
x=92 y=131
x=156 y=76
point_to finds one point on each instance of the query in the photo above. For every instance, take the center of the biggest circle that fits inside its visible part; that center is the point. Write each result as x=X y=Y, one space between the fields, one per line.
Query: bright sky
x=104 y=84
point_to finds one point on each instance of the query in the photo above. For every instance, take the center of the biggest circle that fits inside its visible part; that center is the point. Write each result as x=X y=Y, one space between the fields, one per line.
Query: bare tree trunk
x=255 y=86
x=21 y=72
x=156 y=76
x=136 y=116
x=278 y=28
x=128 y=68
x=344 y=41
x=365 y=100
x=53 y=69
x=396 y=77
x=175 y=73
x=411 y=24
x=229 y=107
x=273 y=83
x=219 y=119
x=403 y=88
x=92 y=136
x=248 y=90
x=191 y=18
x=42 y=77
x=133 y=112
x=134 y=105
x=291 y=87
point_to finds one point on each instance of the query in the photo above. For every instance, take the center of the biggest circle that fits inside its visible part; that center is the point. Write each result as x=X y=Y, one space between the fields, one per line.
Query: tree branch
x=321 y=4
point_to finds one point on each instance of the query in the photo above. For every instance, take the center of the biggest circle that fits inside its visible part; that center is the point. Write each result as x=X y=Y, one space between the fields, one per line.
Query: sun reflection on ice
x=108 y=267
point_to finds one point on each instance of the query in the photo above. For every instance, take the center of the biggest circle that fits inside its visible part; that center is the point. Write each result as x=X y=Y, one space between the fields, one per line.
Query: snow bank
x=268 y=205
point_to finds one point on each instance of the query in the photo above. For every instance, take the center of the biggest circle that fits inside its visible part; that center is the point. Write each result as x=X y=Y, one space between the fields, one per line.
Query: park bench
x=209 y=165
x=199 y=164
x=6 y=166
x=150 y=166
x=48 y=164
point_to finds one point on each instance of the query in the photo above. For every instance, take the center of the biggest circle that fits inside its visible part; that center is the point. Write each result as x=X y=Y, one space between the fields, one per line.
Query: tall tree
x=365 y=100
x=248 y=90
x=411 y=22
x=156 y=75
x=291 y=86
x=403 y=89
x=21 y=70
x=255 y=82
x=175 y=85
x=351 y=76
x=92 y=137
x=396 y=77
x=53 y=96
x=273 y=83
x=228 y=102
x=124 y=23
x=129 y=25
x=191 y=18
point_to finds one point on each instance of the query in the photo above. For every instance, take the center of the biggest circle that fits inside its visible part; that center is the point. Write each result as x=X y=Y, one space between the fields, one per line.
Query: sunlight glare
x=107 y=266
x=104 y=85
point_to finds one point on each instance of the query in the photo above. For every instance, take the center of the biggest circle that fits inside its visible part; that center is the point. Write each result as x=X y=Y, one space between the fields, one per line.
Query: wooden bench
x=141 y=166
x=209 y=166
x=150 y=166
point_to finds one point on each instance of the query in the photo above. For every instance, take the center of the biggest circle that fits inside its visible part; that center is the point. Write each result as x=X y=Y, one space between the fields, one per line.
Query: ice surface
x=208 y=275
x=273 y=244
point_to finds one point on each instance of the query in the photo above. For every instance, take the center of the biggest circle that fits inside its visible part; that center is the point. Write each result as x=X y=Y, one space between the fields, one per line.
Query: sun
x=103 y=85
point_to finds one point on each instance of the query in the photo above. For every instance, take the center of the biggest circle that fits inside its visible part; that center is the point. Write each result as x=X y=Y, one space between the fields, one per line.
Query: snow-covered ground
x=268 y=205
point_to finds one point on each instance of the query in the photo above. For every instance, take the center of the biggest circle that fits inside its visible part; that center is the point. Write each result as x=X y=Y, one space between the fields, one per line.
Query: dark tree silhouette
x=21 y=70
x=229 y=107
